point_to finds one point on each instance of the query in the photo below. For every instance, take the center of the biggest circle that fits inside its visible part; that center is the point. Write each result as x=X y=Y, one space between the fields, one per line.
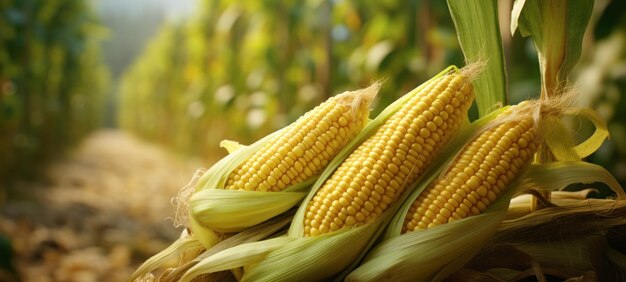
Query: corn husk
x=438 y=252
x=299 y=258
x=273 y=227
x=572 y=238
x=187 y=242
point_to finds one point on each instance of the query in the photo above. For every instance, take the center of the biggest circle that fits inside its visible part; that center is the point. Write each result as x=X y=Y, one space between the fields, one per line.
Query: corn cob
x=475 y=179
x=305 y=147
x=285 y=163
x=379 y=170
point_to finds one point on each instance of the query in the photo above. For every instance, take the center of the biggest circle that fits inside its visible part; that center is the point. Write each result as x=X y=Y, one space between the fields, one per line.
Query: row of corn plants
x=52 y=80
x=415 y=192
x=246 y=70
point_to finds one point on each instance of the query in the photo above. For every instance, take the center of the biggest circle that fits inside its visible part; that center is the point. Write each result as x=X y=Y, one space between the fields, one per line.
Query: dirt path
x=98 y=213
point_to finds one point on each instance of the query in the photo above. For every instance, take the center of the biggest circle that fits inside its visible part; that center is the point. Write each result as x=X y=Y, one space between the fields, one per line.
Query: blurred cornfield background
x=239 y=70
x=171 y=78
x=52 y=80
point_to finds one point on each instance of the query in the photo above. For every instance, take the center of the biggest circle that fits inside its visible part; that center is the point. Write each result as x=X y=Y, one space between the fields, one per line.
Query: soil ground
x=96 y=215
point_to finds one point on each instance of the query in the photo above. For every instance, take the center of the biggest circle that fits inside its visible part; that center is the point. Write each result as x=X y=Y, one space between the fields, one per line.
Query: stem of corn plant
x=557 y=28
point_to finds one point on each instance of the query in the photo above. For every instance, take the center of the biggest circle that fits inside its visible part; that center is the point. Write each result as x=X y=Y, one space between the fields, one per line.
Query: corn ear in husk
x=435 y=253
x=207 y=208
x=212 y=208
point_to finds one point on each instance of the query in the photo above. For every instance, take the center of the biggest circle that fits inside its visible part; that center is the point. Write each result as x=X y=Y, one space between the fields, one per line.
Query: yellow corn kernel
x=479 y=174
x=379 y=170
x=302 y=149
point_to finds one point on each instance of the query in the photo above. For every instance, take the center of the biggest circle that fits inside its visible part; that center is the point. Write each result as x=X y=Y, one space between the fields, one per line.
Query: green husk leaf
x=231 y=146
x=600 y=134
x=314 y=258
x=234 y=210
x=253 y=234
x=558 y=175
x=560 y=142
x=183 y=244
x=235 y=257
x=557 y=28
x=206 y=236
x=478 y=32
x=432 y=254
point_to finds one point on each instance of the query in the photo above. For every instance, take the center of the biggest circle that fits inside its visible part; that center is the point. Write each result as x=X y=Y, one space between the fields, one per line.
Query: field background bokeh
x=170 y=79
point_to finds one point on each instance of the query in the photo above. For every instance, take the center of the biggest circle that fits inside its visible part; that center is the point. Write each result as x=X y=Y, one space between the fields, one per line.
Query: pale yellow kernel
x=444 y=116
x=265 y=170
x=262 y=187
x=431 y=126
x=352 y=192
x=445 y=213
x=343 y=121
x=429 y=214
x=491 y=159
x=473 y=182
x=386 y=199
x=350 y=221
x=482 y=191
x=463 y=176
x=314 y=231
x=463 y=210
x=350 y=210
x=474 y=211
x=522 y=143
x=323 y=228
x=424 y=133
x=360 y=217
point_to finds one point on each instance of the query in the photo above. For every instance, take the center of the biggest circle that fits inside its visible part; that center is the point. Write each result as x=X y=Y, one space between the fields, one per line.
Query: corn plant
x=52 y=81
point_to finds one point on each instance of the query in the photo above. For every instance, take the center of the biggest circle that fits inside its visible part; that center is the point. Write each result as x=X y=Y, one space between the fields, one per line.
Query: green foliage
x=243 y=70
x=479 y=36
x=51 y=80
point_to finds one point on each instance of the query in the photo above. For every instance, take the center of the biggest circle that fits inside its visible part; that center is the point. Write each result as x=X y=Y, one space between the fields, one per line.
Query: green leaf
x=183 y=244
x=557 y=28
x=234 y=210
x=557 y=175
x=478 y=31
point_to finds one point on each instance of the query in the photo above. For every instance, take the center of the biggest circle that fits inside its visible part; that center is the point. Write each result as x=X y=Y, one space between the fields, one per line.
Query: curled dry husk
x=572 y=237
x=295 y=257
x=208 y=210
x=436 y=253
